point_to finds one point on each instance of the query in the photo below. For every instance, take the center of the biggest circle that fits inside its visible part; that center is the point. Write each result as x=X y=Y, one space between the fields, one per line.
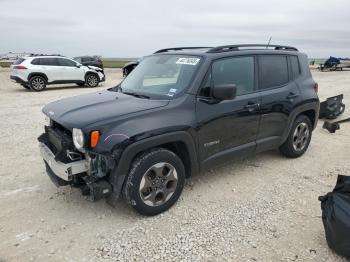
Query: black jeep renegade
x=180 y=111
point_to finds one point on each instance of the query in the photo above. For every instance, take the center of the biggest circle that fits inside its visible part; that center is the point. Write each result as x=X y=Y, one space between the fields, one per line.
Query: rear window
x=295 y=66
x=50 y=61
x=87 y=59
x=78 y=59
x=19 y=61
x=273 y=71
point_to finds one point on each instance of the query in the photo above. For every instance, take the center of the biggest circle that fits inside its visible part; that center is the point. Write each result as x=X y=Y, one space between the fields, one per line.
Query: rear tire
x=298 y=139
x=37 y=83
x=155 y=181
x=92 y=80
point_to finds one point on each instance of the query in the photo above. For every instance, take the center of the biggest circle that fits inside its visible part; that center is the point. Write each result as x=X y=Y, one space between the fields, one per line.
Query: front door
x=228 y=128
x=70 y=71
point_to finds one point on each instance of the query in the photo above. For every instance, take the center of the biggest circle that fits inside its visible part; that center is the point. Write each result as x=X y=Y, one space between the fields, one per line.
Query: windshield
x=161 y=75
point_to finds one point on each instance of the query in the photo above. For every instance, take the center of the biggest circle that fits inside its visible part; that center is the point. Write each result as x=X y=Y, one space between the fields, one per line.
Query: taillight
x=20 y=67
x=94 y=137
x=316 y=87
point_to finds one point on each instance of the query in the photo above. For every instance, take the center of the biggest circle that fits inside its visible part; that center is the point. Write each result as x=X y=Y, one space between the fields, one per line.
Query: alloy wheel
x=92 y=80
x=38 y=83
x=158 y=184
x=301 y=136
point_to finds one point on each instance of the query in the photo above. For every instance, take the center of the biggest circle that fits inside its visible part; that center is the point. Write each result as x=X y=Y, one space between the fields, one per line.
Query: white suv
x=35 y=72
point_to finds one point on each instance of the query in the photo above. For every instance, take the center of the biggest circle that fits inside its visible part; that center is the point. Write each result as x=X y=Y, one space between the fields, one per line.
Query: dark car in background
x=90 y=61
x=128 y=67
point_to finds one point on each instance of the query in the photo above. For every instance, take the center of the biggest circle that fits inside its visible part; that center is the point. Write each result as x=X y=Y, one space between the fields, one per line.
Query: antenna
x=269 y=42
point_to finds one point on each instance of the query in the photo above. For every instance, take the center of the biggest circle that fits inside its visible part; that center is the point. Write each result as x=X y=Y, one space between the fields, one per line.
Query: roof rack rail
x=45 y=55
x=228 y=48
x=179 y=48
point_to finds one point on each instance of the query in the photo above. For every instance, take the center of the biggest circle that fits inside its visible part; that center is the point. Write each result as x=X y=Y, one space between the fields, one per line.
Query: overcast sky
x=133 y=28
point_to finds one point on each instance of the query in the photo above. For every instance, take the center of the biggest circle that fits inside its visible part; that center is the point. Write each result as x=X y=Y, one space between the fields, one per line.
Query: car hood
x=84 y=110
x=94 y=68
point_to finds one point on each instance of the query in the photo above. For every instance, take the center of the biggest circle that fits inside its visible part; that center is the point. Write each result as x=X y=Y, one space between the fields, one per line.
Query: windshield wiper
x=118 y=88
x=136 y=95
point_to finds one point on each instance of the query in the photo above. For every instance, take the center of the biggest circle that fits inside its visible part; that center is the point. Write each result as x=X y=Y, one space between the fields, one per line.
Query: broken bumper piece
x=64 y=171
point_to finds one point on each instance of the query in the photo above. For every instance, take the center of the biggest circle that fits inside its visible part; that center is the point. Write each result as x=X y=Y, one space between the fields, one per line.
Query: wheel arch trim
x=93 y=73
x=314 y=106
x=119 y=174
x=37 y=74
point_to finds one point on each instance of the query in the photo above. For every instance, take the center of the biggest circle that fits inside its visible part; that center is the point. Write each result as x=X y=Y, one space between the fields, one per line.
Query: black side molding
x=120 y=173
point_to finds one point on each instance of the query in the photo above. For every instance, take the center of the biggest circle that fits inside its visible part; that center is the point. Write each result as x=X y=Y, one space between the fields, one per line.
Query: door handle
x=251 y=106
x=292 y=95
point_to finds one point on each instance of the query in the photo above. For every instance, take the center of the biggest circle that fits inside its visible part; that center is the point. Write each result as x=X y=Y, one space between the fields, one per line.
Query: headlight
x=78 y=139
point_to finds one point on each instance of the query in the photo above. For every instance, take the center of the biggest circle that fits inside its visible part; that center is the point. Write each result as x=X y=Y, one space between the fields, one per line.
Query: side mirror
x=225 y=91
x=78 y=65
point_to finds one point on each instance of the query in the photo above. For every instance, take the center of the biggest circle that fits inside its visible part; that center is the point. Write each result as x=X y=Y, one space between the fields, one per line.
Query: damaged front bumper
x=66 y=166
x=65 y=171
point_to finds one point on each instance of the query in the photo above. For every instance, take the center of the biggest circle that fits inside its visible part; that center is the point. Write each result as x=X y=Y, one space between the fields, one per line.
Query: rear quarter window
x=273 y=71
x=294 y=61
x=19 y=61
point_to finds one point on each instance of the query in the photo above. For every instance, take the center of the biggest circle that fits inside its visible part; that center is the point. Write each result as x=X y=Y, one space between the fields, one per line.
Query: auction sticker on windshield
x=187 y=61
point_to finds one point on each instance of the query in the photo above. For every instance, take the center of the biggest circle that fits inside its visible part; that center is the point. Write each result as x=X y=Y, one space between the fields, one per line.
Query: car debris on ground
x=332 y=107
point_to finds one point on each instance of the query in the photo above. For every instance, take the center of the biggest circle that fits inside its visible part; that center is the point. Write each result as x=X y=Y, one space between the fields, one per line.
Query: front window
x=233 y=70
x=66 y=62
x=161 y=76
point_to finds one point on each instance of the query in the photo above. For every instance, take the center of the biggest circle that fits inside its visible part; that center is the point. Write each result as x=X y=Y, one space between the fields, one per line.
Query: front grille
x=59 y=140
x=58 y=126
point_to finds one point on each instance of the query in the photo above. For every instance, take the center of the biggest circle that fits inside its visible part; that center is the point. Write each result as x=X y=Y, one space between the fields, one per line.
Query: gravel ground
x=264 y=208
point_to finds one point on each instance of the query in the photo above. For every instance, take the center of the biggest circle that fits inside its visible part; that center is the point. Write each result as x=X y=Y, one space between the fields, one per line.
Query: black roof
x=227 y=48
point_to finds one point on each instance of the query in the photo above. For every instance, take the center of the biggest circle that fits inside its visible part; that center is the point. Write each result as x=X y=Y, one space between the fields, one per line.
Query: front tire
x=155 y=181
x=37 y=83
x=92 y=80
x=298 y=139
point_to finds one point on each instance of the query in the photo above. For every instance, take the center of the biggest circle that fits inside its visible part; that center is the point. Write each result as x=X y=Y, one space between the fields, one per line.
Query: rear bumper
x=18 y=79
x=62 y=170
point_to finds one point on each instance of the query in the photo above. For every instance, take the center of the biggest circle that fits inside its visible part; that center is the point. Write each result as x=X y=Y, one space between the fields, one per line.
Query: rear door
x=228 y=128
x=279 y=96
